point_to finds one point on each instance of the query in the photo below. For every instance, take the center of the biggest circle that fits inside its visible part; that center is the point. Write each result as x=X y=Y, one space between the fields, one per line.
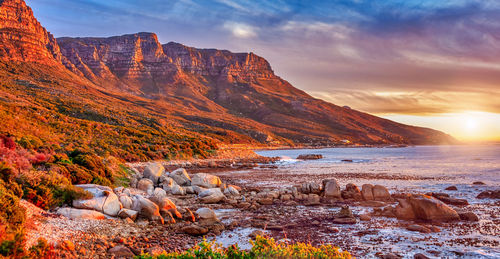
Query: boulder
x=153 y=172
x=206 y=180
x=147 y=208
x=451 y=188
x=194 y=230
x=167 y=204
x=231 y=191
x=310 y=156
x=367 y=192
x=425 y=208
x=126 y=201
x=73 y=213
x=420 y=256
x=181 y=177
x=212 y=195
x=198 y=189
x=489 y=195
x=331 y=188
x=265 y=200
x=126 y=213
x=468 y=216
x=207 y=214
x=312 y=199
x=380 y=193
x=351 y=192
x=159 y=192
x=418 y=228
x=104 y=200
x=146 y=185
x=404 y=210
x=177 y=190
x=189 y=190
x=365 y=217
x=121 y=251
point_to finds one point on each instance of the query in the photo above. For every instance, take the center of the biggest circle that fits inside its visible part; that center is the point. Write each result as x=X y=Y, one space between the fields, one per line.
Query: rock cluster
x=310 y=157
x=150 y=197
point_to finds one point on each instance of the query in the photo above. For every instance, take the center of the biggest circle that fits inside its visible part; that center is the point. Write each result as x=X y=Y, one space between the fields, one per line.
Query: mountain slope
x=243 y=84
x=132 y=97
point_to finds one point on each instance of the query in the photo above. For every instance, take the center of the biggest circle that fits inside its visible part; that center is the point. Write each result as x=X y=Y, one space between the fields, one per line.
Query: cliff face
x=232 y=97
x=22 y=38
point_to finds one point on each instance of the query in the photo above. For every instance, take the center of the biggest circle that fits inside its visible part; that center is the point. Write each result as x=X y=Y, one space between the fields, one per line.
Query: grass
x=262 y=247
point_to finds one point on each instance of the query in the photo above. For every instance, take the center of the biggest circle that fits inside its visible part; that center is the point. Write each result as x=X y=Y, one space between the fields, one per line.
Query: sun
x=471 y=124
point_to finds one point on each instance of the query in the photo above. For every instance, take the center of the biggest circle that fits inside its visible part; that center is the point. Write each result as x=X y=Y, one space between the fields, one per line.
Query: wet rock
x=231 y=191
x=311 y=187
x=206 y=180
x=425 y=208
x=194 y=230
x=367 y=192
x=146 y=185
x=265 y=200
x=451 y=188
x=181 y=177
x=121 y=251
x=478 y=183
x=453 y=201
x=127 y=213
x=418 y=228
x=331 y=188
x=420 y=256
x=390 y=256
x=212 y=195
x=404 y=210
x=73 y=213
x=380 y=193
x=310 y=156
x=489 y=195
x=312 y=199
x=349 y=221
x=468 y=216
x=372 y=203
x=345 y=212
x=351 y=192
x=153 y=172
x=365 y=217
x=206 y=213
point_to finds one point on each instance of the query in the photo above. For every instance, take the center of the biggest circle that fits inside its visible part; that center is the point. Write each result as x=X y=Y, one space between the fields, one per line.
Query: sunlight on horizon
x=464 y=126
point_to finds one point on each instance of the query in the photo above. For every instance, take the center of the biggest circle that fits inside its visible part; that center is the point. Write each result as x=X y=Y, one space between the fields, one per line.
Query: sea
x=413 y=169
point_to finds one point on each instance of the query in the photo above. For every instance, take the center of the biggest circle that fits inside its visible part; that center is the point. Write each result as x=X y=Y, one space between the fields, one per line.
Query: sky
x=427 y=63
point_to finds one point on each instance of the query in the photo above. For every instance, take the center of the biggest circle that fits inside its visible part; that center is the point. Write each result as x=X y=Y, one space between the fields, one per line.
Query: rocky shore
x=171 y=210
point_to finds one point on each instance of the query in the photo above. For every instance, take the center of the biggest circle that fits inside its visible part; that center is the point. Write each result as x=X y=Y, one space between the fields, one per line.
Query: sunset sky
x=427 y=63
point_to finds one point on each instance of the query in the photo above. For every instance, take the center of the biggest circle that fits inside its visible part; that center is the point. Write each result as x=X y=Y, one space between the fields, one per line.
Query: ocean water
x=418 y=169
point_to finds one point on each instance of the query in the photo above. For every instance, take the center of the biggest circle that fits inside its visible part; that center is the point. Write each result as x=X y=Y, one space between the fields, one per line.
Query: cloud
x=240 y=30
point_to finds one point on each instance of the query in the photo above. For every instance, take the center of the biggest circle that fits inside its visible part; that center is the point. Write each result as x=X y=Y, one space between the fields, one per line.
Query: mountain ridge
x=214 y=94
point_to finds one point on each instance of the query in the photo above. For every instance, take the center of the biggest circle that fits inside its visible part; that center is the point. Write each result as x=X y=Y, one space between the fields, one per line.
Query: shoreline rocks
x=310 y=157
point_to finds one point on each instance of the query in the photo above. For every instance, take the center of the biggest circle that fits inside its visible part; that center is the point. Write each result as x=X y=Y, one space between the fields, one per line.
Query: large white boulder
x=104 y=200
x=73 y=213
x=126 y=201
x=146 y=185
x=206 y=180
x=146 y=208
x=212 y=195
x=181 y=177
x=154 y=171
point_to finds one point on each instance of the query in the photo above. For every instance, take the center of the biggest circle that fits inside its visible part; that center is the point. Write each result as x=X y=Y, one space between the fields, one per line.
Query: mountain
x=130 y=93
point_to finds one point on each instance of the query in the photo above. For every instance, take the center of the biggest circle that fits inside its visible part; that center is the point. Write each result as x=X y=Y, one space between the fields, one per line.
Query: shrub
x=262 y=247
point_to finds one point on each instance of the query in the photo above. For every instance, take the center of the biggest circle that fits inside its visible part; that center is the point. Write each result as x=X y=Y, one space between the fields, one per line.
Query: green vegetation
x=262 y=247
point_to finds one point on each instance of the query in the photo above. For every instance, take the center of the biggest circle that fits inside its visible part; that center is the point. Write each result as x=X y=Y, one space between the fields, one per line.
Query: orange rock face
x=22 y=38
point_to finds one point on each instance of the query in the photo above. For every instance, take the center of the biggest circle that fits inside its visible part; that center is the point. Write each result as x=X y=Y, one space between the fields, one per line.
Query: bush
x=262 y=247
x=12 y=216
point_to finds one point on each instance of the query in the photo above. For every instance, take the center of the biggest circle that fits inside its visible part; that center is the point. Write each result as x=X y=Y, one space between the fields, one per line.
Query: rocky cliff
x=231 y=97
x=22 y=38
